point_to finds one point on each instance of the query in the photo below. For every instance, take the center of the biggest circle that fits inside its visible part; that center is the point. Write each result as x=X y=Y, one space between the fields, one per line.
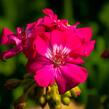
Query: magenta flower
x=54 y=50
x=21 y=41
x=8 y=38
x=59 y=59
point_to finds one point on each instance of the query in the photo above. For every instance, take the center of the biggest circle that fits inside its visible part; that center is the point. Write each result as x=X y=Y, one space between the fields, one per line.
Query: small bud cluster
x=49 y=95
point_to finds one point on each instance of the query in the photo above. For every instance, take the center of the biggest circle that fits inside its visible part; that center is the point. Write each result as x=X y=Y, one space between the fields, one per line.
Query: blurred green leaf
x=17 y=92
x=7 y=68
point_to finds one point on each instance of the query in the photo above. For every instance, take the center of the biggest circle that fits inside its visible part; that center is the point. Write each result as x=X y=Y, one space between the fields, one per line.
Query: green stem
x=29 y=90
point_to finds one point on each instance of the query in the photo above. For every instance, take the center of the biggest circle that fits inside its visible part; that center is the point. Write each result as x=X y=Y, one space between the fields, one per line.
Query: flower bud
x=66 y=100
x=42 y=101
x=48 y=97
x=75 y=91
x=56 y=97
x=67 y=94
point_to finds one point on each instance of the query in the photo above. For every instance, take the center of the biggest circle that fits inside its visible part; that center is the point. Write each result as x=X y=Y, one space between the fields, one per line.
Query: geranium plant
x=54 y=50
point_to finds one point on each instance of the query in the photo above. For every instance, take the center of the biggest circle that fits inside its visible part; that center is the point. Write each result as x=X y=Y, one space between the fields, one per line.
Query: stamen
x=58 y=54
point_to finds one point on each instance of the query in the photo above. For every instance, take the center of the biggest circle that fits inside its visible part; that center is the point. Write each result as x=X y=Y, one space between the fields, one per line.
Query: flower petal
x=9 y=38
x=6 y=33
x=58 y=38
x=41 y=45
x=72 y=42
x=75 y=60
x=48 y=11
x=65 y=38
x=44 y=77
x=87 y=48
x=10 y=53
x=36 y=64
x=85 y=33
x=69 y=76
x=15 y=40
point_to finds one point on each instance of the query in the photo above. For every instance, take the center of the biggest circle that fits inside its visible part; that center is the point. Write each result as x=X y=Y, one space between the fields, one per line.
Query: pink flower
x=20 y=40
x=87 y=45
x=8 y=38
x=47 y=23
x=56 y=61
x=54 y=50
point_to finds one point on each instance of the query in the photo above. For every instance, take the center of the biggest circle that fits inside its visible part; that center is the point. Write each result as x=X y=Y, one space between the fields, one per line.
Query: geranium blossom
x=59 y=59
x=8 y=38
x=54 y=50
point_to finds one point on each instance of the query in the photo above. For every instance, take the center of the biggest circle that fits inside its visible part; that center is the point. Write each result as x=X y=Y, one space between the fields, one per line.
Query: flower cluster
x=54 y=50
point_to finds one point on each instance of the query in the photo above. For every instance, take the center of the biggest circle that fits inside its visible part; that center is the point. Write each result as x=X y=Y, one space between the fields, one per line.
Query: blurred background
x=13 y=13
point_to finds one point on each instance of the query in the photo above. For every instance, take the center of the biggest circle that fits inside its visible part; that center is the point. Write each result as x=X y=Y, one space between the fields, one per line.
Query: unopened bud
x=66 y=100
x=42 y=101
x=56 y=97
x=48 y=97
x=76 y=91
x=68 y=94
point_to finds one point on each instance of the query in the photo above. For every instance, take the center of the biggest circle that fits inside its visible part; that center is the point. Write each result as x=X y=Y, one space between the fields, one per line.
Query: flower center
x=58 y=55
